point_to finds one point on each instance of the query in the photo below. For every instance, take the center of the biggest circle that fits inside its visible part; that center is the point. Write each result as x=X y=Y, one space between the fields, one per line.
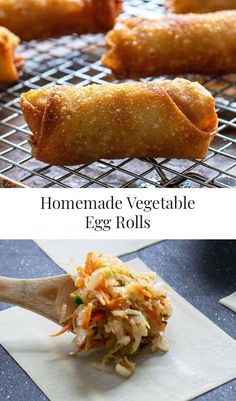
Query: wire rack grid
x=75 y=60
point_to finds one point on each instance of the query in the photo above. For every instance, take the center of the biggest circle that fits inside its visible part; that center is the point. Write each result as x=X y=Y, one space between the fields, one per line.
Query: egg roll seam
x=179 y=112
x=44 y=124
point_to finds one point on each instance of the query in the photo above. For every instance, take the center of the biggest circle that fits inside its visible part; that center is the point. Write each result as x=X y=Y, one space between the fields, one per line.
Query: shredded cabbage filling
x=118 y=309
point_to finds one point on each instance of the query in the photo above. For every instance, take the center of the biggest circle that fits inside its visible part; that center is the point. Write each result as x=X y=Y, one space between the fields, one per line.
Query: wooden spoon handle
x=13 y=291
x=42 y=295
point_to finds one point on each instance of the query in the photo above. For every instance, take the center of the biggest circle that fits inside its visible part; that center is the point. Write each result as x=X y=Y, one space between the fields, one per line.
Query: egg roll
x=200 y=6
x=10 y=63
x=42 y=19
x=173 y=44
x=77 y=125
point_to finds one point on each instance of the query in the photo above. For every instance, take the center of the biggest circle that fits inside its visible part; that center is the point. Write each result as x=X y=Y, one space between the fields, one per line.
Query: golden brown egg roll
x=41 y=19
x=75 y=125
x=173 y=44
x=9 y=62
x=200 y=6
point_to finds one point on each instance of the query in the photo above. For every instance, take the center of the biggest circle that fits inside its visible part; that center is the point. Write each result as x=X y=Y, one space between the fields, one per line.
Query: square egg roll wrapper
x=73 y=125
x=9 y=62
x=41 y=19
x=200 y=6
x=173 y=44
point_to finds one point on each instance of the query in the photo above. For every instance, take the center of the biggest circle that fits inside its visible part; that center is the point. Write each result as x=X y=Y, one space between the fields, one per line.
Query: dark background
x=201 y=271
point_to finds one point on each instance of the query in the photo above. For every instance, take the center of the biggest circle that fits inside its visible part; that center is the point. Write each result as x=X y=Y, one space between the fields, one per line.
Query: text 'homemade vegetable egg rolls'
x=73 y=125
x=172 y=44
x=200 y=6
x=41 y=19
x=9 y=62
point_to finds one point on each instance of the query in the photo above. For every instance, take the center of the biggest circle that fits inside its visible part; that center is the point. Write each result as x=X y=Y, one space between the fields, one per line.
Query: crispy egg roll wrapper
x=9 y=62
x=200 y=6
x=41 y=19
x=73 y=125
x=173 y=44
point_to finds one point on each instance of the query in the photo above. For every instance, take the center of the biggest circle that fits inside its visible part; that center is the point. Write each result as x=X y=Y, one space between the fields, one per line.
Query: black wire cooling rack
x=74 y=60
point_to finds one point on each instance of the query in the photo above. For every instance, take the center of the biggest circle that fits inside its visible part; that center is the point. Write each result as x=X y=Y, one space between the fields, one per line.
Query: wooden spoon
x=45 y=296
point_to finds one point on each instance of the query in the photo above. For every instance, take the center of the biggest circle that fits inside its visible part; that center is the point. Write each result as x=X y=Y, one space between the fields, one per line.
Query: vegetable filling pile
x=118 y=309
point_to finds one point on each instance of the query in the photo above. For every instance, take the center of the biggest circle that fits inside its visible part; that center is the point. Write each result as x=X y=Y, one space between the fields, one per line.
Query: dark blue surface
x=201 y=271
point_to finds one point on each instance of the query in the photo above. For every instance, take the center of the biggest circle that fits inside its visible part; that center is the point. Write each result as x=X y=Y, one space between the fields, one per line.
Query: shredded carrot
x=68 y=327
x=152 y=315
x=143 y=291
x=98 y=315
x=104 y=295
x=104 y=282
x=116 y=303
x=79 y=282
x=87 y=316
x=89 y=263
x=81 y=271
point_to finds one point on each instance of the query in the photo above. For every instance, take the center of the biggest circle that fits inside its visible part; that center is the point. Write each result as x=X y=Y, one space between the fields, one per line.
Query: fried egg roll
x=200 y=6
x=10 y=63
x=173 y=44
x=76 y=125
x=41 y=19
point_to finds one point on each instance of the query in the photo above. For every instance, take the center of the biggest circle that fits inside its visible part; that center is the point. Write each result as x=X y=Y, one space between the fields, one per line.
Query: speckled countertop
x=201 y=271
